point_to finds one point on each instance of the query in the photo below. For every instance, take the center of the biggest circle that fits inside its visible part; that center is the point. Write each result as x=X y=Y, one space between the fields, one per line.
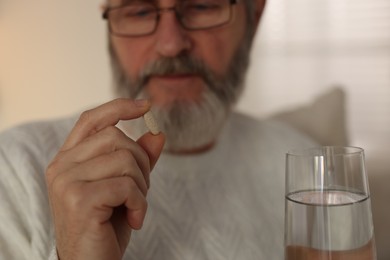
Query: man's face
x=189 y=76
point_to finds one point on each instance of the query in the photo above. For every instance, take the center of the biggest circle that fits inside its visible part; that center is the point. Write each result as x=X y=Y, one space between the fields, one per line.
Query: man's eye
x=143 y=13
x=138 y=12
x=202 y=7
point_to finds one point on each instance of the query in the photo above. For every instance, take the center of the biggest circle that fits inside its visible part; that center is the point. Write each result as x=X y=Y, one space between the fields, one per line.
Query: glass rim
x=319 y=151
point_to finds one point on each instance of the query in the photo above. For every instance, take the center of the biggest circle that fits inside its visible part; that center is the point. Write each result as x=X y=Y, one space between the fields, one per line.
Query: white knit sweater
x=227 y=203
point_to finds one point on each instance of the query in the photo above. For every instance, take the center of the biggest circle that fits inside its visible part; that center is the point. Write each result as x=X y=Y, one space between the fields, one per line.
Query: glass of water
x=328 y=208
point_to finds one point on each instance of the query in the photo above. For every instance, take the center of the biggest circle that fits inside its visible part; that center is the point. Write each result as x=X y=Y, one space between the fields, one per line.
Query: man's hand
x=98 y=182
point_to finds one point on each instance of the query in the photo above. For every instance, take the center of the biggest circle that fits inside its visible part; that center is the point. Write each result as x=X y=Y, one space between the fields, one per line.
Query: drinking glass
x=327 y=207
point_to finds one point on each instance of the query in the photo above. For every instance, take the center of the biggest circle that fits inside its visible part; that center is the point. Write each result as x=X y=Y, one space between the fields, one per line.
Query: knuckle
x=119 y=101
x=126 y=156
x=86 y=120
x=73 y=197
x=68 y=193
x=112 y=133
x=136 y=200
x=117 y=104
x=134 y=159
x=111 y=136
x=145 y=156
x=85 y=116
x=51 y=171
x=128 y=185
x=58 y=186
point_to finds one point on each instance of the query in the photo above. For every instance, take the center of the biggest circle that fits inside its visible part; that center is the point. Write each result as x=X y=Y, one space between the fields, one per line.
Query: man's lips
x=173 y=87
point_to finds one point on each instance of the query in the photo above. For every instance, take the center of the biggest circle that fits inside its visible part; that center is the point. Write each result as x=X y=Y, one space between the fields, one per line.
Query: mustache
x=182 y=64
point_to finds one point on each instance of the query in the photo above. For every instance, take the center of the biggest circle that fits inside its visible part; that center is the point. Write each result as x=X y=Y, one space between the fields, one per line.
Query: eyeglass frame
x=107 y=10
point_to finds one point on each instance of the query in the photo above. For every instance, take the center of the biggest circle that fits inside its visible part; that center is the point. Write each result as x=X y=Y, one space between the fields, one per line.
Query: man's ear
x=103 y=6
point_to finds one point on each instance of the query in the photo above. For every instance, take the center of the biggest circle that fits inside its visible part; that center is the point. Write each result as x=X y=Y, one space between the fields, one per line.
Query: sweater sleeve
x=14 y=235
x=26 y=230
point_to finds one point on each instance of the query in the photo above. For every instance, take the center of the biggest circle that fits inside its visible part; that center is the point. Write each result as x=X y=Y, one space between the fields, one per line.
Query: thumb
x=153 y=146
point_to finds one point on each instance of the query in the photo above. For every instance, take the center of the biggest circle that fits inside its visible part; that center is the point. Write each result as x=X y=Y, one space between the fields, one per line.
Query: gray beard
x=187 y=125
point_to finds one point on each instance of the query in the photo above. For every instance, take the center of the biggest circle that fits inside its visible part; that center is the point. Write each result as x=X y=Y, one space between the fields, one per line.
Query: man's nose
x=172 y=38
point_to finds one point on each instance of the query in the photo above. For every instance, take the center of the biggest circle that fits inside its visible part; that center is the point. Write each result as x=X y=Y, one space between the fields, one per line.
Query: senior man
x=217 y=189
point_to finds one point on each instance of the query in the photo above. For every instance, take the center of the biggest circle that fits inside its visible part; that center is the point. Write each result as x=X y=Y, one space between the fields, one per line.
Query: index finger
x=108 y=114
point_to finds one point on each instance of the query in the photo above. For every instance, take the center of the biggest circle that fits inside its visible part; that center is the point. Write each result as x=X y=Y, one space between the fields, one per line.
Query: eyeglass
x=140 y=18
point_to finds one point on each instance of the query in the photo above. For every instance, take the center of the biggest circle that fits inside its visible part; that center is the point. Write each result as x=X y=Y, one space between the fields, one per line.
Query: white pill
x=151 y=123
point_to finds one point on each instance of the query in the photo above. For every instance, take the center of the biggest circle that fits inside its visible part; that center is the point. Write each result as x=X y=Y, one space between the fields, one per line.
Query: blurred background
x=53 y=62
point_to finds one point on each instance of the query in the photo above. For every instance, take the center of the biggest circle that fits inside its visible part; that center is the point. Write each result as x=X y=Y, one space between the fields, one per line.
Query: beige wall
x=53 y=59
